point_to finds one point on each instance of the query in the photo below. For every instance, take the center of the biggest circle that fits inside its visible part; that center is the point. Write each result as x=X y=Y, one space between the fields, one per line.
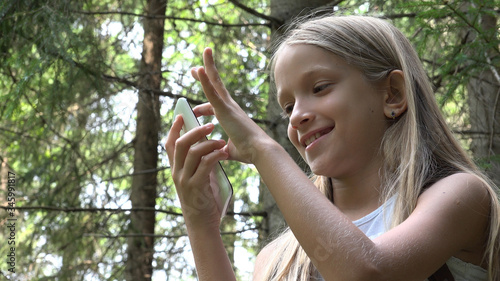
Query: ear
x=395 y=95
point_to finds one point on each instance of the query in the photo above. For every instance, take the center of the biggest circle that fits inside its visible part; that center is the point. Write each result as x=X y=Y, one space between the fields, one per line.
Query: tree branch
x=167 y=94
x=119 y=210
x=160 y=235
x=248 y=214
x=274 y=21
x=471 y=25
x=90 y=210
x=171 y=18
x=398 y=16
x=470 y=132
x=136 y=173
x=133 y=235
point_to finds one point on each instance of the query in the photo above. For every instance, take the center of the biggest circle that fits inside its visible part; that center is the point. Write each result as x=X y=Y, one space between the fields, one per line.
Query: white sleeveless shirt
x=378 y=222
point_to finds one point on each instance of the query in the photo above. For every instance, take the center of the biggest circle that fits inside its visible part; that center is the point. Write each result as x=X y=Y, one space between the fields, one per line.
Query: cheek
x=293 y=137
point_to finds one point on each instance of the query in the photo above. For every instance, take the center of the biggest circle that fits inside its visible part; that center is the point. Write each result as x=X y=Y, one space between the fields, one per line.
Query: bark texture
x=484 y=106
x=143 y=194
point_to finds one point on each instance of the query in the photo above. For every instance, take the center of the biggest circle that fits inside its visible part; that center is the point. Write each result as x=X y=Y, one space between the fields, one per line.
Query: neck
x=357 y=195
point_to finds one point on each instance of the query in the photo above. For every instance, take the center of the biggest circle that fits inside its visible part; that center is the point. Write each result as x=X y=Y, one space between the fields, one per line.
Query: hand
x=191 y=162
x=246 y=136
x=206 y=109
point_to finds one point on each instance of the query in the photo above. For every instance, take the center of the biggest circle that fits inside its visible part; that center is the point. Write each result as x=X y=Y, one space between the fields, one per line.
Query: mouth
x=315 y=135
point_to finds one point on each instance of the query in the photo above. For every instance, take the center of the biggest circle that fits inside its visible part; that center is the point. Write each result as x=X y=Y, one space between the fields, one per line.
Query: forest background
x=86 y=92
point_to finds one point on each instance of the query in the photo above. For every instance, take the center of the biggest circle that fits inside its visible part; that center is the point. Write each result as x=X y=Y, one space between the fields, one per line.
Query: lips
x=311 y=137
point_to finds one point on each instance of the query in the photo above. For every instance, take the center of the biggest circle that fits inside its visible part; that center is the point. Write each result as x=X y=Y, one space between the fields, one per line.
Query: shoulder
x=460 y=203
x=459 y=188
x=262 y=261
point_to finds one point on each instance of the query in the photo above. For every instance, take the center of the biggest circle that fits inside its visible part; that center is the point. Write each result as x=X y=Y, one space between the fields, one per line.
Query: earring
x=393 y=115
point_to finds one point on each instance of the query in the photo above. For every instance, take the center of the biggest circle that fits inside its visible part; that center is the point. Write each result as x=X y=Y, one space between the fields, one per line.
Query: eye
x=320 y=88
x=287 y=111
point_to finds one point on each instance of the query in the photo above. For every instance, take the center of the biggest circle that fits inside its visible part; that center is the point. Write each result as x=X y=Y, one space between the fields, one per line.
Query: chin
x=318 y=170
x=326 y=169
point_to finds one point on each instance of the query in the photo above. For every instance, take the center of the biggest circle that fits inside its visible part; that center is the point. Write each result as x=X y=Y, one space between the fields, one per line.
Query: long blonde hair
x=418 y=148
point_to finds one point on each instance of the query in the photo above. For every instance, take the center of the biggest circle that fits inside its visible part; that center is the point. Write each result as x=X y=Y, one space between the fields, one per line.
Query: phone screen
x=220 y=184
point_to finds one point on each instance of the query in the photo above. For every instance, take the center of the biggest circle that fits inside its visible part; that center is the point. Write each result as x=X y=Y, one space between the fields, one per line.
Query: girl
x=395 y=197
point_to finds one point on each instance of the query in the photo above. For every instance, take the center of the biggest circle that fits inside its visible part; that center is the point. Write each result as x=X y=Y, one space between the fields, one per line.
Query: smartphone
x=221 y=187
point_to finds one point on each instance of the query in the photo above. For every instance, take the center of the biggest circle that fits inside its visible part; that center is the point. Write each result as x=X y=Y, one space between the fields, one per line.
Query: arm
x=210 y=256
x=450 y=216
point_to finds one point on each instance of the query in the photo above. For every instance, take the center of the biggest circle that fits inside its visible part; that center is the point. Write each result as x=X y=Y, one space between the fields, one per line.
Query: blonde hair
x=418 y=148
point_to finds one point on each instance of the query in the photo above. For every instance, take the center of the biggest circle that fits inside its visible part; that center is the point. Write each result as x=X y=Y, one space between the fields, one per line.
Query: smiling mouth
x=316 y=136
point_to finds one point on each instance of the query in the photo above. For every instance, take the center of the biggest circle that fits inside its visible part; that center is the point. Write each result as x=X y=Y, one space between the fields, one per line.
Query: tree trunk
x=284 y=11
x=143 y=194
x=484 y=106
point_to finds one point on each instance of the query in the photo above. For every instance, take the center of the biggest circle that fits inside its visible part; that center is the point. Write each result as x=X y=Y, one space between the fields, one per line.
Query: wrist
x=202 y=224
x=196 y=231
x=268 y=151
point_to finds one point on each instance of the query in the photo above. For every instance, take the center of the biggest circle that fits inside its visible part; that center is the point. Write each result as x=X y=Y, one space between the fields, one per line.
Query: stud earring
x=393 y=115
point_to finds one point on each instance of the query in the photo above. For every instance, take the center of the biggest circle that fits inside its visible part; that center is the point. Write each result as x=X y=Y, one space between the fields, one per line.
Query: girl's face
x=336 y=116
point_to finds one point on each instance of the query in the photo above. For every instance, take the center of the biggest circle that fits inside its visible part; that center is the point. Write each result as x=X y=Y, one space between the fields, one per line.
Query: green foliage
x=68 y=69
x=453 y=46
x=68 y=80
x=59 y=134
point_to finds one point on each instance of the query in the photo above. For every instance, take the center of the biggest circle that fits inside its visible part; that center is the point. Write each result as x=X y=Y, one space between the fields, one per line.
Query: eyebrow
x=317 y=68
x=337 y=68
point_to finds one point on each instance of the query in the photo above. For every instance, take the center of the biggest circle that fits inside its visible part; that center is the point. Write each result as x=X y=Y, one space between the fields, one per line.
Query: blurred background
x=86 y=95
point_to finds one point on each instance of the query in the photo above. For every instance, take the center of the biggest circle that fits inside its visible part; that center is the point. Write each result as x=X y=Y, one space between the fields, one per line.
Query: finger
x=184 y=143
x=205 y=109
x=201 y=155
x=194 y=73
x=213 y=73
x=208 y=163
x=173 y=135
x=233 y=153
x=208 y=88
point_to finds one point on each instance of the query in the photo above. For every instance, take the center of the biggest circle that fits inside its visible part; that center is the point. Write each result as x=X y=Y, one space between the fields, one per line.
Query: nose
x=301 y=115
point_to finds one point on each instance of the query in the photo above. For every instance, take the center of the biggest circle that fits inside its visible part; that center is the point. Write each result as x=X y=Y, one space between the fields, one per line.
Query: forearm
x=210 y=256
